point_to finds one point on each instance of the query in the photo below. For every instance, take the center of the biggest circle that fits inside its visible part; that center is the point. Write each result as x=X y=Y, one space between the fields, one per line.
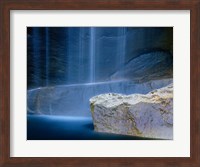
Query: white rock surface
x=149 y=115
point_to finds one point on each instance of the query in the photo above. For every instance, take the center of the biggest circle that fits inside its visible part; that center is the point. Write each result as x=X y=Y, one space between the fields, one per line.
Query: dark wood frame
x=7 y=5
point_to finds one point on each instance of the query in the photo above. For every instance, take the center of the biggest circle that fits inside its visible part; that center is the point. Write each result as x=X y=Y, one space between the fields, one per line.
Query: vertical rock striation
x=73 y=55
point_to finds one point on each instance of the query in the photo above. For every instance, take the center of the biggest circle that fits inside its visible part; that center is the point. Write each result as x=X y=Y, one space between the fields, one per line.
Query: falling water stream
x=36 y=56
x=47 y=55
x=84 y=61
x=81 y=54
x=122 y=48
x=69 y=65
x=92 y=54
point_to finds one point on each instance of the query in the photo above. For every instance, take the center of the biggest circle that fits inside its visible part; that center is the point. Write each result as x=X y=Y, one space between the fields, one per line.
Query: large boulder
x=149 y=115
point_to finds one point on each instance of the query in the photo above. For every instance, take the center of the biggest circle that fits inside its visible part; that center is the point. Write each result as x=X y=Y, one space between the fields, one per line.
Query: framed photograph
x=100 y=83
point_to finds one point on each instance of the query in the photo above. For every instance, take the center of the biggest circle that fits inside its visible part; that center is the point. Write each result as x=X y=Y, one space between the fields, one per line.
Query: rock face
x=149 y=66
x=73 y=100
x=149 y=115
x=63 y=55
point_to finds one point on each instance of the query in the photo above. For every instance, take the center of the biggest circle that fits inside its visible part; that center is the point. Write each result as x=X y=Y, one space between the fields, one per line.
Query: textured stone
x=73 y=100
x=62 y=55
x=149 y=66
x=149 y=115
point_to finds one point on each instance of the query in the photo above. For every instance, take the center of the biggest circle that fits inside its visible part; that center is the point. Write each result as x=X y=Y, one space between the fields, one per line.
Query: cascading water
x=69 y=51
x=75 y=55
x=92 y=53
x=36 y=56
x=85 y=55
x=123 y=45
x=122 y=48
x=81 y=54
x=47 y=55
x=66 y=66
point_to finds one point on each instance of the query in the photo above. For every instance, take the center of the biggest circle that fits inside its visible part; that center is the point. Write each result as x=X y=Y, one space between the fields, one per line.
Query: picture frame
x=7 y=5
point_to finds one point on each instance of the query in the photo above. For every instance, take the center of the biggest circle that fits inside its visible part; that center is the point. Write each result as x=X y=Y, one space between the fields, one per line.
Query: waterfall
x=122 y=48
x=47 y=55
x=66 y=55
x=36 y=56
x=80 y=59
x=124 y=45
x=69 y=55
x=92 y=54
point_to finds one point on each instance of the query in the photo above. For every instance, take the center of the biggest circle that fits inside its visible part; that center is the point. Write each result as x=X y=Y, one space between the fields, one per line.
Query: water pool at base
x=43 y=127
